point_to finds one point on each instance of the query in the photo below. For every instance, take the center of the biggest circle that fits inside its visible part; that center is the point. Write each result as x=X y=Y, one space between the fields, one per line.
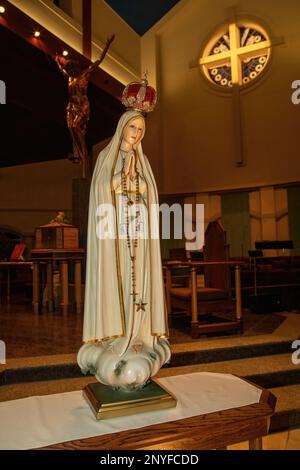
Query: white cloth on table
x=40 y=421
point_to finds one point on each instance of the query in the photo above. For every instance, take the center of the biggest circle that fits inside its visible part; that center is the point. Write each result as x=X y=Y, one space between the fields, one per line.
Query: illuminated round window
x=236 y=56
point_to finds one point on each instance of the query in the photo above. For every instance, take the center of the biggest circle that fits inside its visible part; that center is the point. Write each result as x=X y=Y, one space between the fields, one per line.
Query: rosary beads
x=128 y=202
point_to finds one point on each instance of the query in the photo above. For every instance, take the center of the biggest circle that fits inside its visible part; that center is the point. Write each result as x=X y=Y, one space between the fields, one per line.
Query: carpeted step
x=266 y=371
x=205 y=356
x=57 y=367
x=39 y=373
x=287 y=413
x=31 y=369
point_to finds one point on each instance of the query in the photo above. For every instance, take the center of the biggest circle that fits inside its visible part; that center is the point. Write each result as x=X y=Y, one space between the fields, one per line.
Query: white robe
x=109 y=311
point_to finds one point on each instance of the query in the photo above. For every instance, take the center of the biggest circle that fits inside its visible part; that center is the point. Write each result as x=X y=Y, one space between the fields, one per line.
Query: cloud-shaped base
x=129 y=371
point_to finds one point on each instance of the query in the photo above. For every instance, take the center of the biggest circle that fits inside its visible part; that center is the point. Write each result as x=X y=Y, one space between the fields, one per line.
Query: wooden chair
x=217 y=277
x=213 y=283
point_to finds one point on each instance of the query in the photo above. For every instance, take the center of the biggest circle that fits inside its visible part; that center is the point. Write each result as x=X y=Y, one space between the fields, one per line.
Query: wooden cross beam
x=87 y=28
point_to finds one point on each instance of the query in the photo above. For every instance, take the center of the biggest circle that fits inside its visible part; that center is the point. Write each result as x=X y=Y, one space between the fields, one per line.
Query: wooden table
x=64 y=258
x=211 y=431
x=196 y=327
x=8 y=265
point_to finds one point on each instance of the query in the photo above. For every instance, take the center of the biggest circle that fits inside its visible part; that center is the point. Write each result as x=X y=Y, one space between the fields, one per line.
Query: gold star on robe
x=140 y=306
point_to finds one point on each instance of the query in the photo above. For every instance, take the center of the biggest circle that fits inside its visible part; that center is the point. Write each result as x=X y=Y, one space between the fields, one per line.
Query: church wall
x=265 y=213
x=197 y=138
x=32 y=194
x=235 y=213
x=269 y=216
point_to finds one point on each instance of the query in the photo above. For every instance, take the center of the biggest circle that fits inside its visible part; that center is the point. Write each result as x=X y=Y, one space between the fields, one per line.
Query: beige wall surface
x=197 y=138
x=31 y=195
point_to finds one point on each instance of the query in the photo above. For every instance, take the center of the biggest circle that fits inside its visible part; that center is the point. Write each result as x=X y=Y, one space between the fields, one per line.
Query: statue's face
x=134 y=131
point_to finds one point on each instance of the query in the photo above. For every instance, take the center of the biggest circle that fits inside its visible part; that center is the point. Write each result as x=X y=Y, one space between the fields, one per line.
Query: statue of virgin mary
x=125 y=324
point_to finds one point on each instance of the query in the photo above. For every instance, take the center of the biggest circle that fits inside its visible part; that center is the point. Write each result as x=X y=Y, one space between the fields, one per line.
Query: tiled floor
x=27 y=334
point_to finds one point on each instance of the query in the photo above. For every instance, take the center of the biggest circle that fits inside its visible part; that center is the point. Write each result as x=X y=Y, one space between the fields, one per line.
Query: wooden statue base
x=108 y=403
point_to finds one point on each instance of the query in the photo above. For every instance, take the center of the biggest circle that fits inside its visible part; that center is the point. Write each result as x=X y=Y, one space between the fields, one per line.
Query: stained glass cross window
x=237 y=56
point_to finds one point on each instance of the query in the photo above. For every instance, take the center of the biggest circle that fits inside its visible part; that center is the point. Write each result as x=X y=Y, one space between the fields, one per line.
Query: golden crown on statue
x=139 y=96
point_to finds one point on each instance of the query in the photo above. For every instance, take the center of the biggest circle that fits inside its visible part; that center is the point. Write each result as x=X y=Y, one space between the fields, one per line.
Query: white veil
x=104 y=316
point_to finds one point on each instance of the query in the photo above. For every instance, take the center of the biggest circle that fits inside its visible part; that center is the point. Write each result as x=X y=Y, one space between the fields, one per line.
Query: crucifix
x=237 y=48
x=78 y=109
